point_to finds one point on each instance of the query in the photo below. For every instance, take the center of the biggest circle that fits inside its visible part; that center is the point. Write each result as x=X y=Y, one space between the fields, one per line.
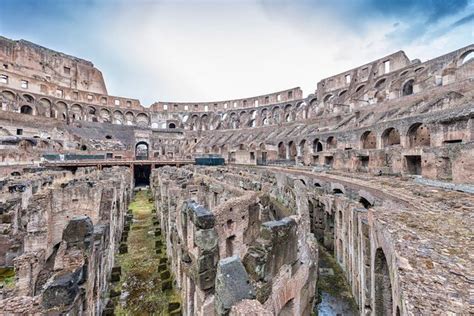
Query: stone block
x=62 y=291
x=78 y=229
x=232 y=284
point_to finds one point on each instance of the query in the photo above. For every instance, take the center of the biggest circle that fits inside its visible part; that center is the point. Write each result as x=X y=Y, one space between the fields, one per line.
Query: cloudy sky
x=171 y=50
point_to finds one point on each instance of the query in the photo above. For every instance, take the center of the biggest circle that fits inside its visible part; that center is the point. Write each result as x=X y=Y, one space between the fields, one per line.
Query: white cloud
x=195 y=51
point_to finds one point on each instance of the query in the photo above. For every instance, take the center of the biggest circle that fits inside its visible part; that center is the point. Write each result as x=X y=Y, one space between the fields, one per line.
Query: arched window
x=379 y=84
x=171 y=125
x=368 y=140
x=302 y=146
x=26 y=109
x=467 y=57
x=141 y=151
x=281 y=151
x=419 y=135
x=407 y=88
x=327 y=98
x=331 y=142
x=390 y=137
x=292 y=149
x=317 y=146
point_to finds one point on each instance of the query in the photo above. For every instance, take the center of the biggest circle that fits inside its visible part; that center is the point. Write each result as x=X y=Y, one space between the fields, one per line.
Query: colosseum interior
x=357 y=198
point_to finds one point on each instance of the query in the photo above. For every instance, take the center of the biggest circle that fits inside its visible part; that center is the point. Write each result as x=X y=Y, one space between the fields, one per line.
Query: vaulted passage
x=383 y=285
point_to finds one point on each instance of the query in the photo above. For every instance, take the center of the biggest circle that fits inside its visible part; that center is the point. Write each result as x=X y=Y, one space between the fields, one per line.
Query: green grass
x=7 y=277
x=140 y=265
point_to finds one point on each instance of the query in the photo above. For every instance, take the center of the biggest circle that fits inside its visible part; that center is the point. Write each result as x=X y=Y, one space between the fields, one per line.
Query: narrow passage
x=145 y=286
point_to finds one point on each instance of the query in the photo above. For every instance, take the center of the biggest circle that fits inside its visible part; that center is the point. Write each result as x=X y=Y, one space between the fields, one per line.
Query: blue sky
x=216 y=50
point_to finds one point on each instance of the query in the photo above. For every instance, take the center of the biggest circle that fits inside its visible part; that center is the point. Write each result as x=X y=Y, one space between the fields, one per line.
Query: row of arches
x=246 y=118
x=417 y=135
x=62 y=111
x=407 y=88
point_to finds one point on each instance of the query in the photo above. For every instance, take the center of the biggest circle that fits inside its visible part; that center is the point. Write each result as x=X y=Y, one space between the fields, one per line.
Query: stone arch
x=76 y=111
x=292 y=150
x=45 y=107
x=9 y=95
x=276 y=115
x=105 y=116
x=331 y=142
x=368 y=140
x=342 y=93
x=61 y=110
x=143 y=120
x=407 y=87
x=419 y=135
x=281 y=150
x=383 y=285
x=359 y=88
x=328 y=97
x=26 y=109
x=205 y=122
x=467 y=56
x=129 y=118
x=301 y=147
x=28 y=98
x=264 y=117
x=92 y=114
x=317 y=146
x=380 y=83
x=142 y=150
x=118 y=117
x=390 y=137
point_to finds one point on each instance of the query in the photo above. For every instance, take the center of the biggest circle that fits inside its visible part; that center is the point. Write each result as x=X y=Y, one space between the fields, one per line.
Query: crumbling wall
x=70 y=227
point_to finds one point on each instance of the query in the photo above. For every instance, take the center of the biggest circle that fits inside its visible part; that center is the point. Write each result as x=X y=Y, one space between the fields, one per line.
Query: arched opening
x=281 y=151
x=390 y=137
x=317 y=146
x=467 y=57
x=26 y=109
x=359 y=88
x=28 y=98
x=380 y=84
x=365 y=202
x=292 y=149
x=419 y=135
x=327 y=98
x=368 y=140
x=331 y=142
x=171 y=125
x=83 y=147
x=383 y=285
x=407 y=88
x=301 y=146
x=141 y=151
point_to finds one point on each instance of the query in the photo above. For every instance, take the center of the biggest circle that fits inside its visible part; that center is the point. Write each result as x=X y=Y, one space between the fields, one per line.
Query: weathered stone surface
x=232 y=284
x=79 y=229
x=62 y=291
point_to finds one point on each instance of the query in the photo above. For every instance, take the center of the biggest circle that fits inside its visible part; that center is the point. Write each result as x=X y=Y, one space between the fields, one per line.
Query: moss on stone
x=140 y=276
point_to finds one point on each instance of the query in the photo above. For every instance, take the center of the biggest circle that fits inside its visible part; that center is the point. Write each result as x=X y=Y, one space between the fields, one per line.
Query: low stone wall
x=63 y=237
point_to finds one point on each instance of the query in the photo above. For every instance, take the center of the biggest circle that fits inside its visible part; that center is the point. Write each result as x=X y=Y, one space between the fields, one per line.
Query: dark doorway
x=413 y=164
x=142 y=175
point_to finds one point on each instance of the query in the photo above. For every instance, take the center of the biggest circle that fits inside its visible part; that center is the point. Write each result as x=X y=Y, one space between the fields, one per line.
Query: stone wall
x=60 y=233
x=212 y=225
